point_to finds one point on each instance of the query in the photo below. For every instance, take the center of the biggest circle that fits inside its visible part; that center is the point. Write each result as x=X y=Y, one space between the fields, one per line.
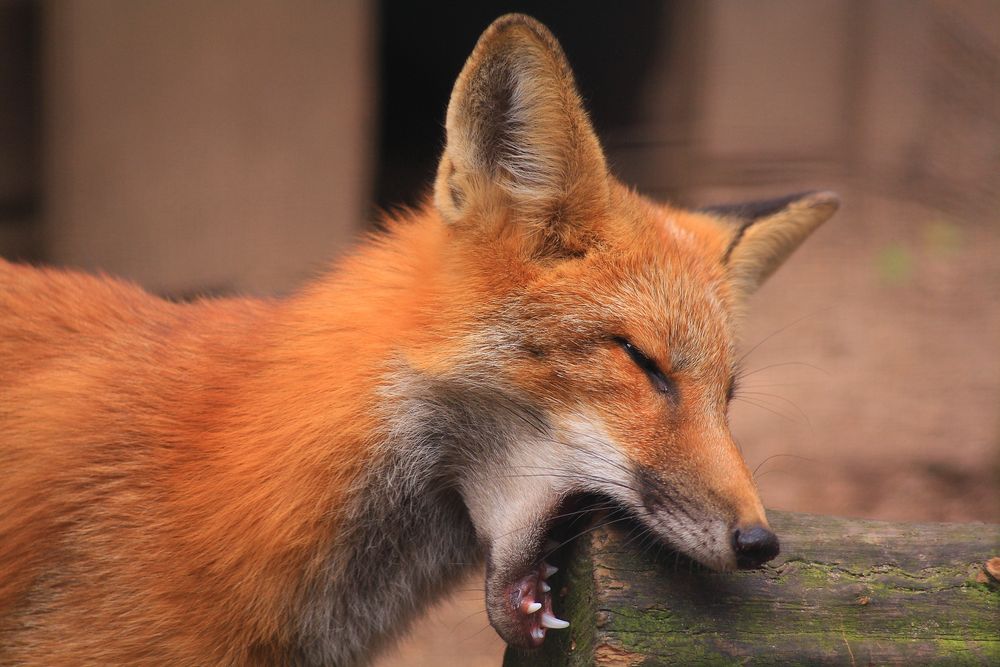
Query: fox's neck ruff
x=404 y=545
x=401 y=534
x=407 y=539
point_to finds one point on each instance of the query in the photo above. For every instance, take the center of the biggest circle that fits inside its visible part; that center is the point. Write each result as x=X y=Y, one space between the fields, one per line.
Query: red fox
x=240 y=481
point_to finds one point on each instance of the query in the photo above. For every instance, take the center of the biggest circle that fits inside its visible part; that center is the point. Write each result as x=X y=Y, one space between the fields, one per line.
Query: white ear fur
x=516 y=128
x=763 y=242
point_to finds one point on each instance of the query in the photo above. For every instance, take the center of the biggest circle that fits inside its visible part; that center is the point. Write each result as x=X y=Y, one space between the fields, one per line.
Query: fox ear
x=767 y=232
x=517 y=134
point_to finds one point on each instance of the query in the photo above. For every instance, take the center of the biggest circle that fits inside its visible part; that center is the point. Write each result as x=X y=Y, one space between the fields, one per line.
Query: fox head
x=593 y=347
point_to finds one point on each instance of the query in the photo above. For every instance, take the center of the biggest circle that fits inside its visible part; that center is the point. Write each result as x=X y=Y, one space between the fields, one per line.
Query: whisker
x=766 y=408
x=584 y=532
x=782 y=399
x=477 y=633
x=573 y=476
x=763 y=403
x=467 y=617
x=775 y=456
x=781 y=384
x=784 y=363
x=782 y=329
x=595 y=508
x=768 y=472
x=640 y=532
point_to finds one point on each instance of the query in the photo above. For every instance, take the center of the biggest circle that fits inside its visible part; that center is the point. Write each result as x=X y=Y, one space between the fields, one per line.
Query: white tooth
x=545 y=587
x=550 y=621
x=549 y=570
x=538 y=633
x=533 y=607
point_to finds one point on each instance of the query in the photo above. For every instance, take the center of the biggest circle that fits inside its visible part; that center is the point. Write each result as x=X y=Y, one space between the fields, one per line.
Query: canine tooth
x=550 y=621
x=538 y=633
x=545 y=587
x=533 y=607
x=549 y=570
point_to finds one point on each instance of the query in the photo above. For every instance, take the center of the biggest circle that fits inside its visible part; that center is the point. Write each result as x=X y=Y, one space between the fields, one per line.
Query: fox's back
x=51 y=338
x=102 y=390
x=48 y=315
x=100 y=325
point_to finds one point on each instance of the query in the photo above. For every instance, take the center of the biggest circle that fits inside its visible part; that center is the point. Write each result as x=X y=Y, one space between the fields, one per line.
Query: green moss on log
x=842 y=592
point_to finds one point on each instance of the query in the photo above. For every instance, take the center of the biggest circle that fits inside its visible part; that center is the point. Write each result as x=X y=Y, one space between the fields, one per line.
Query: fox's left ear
x=518 y=138
x=767 y=232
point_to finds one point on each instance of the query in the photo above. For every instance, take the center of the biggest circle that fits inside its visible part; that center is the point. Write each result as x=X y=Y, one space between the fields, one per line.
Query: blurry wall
x=235 y=145
x=897 y=97
x=206 y=146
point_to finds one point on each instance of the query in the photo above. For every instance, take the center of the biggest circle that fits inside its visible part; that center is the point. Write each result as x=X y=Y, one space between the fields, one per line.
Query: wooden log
x=842 y=592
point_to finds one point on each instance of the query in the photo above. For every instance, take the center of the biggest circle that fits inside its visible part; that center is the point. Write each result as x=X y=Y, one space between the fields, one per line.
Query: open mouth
x=531 y=601
x=523 y=589
x=528 y=595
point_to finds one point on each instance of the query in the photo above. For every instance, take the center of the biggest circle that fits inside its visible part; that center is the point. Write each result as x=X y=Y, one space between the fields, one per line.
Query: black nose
x=754 y=546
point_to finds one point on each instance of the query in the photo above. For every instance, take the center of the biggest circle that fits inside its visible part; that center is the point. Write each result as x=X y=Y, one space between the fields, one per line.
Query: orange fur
x=176 y=476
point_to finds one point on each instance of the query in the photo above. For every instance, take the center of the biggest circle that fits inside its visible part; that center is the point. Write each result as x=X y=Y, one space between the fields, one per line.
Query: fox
x=240 y=481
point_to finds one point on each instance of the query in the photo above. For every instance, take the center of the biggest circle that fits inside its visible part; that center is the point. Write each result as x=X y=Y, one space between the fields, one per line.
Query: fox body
x=292 y=481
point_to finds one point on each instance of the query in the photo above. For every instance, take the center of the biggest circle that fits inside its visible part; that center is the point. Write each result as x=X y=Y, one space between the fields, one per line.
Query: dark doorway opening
x=610 y=46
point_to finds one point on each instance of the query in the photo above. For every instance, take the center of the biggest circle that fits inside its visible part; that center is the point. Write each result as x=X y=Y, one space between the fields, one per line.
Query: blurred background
x=236 y=146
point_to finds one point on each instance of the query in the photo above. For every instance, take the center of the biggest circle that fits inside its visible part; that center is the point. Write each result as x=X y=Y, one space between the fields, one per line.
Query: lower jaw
x=522 y=611
x=531 y=603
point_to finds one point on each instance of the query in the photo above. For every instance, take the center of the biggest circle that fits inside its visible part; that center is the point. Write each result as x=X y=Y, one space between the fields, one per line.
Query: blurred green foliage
x=897 y=263
x=941 y=238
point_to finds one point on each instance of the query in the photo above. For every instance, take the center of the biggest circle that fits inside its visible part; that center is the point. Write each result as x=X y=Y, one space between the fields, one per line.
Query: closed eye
x=657 y=377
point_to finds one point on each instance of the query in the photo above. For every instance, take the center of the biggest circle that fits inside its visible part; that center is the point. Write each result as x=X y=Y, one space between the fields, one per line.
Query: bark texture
x=842 y=592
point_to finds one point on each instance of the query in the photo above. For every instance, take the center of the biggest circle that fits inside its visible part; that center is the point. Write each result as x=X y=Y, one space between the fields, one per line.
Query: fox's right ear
x=765 y=233
x=518 y=138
